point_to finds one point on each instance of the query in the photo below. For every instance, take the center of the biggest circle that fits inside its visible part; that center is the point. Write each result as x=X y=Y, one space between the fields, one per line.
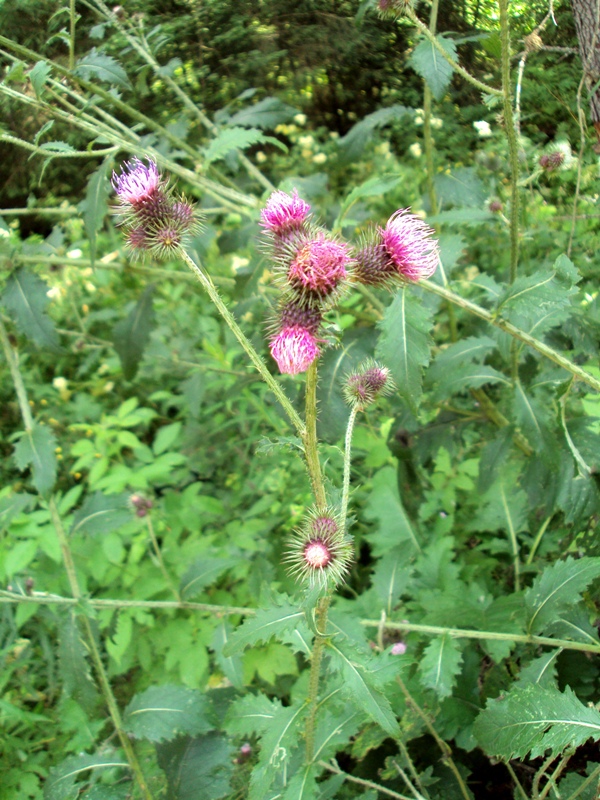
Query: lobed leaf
x=101 y=513
x=74 y=667
x=36 y=449
x=26 y=298
x=265 y=624
x=432 y=66
x=164 y=712
x=103 y=68
x=197 y=768
x=202 y=573
x=440 y=665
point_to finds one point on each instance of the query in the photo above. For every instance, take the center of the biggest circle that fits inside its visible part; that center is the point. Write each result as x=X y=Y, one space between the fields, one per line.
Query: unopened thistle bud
x=552 y=161
x=495 y=206
x=374 y=267
x=283 y=213
x=369 y=382
x=319 y=553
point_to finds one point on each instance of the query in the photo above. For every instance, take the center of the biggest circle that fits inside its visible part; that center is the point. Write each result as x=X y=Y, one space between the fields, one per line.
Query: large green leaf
x=26 y=298
x=390 y=577
x=36 y=449
x=232 y=666
x=74 y=667
x=61 y=781
x=535 y=720
x=361 y=685
x=405 y=343
x=558 y=588
x=373 y=187
x=102 y=68
x=197 y=768
x=440 y=665
x=276 y=749
x=38 y=76
x=251 y=714
x=461 y=188
x=101 y=513
x=540 y=301
x=265 y=624
x=202 y=573
x=163 y=712
x=384 y=507
x=95 y=204
x=303 y=786
x=131 y=335
x=234 y=139
x=432 y=66
x=354 y=141
x=265 y=114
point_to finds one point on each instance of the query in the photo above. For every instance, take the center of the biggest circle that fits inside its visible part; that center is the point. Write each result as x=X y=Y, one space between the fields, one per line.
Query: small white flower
x=238 y=263
x=483 y=128
x=415 y=150
x=300 y=119
x=436 y=122
x=383 y=149
x=60 y=384
x=305 y=141
x=77 y=253
x=319 y=158
x=260 y=157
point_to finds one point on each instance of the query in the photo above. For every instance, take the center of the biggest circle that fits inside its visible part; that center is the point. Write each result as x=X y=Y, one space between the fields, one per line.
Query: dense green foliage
x=152 y=642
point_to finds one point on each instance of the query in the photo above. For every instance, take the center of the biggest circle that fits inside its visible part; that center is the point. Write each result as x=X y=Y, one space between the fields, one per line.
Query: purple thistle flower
x=294 y=349
x=137 y=183
x=318 y=267
x=283 y=212
x=407 y=240
x=293 y=313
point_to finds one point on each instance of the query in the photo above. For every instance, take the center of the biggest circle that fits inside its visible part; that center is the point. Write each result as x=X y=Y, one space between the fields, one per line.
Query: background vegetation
x=151 y=480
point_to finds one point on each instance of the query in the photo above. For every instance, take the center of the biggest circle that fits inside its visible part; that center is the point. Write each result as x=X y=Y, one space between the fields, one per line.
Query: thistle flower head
x=294 y=349
x=373 y=265
x=409 y=243
x=293 y=313
x=366 y=384
x=319 y=553
x=495 y=206
x=551 y=161
x=317 y=267
x=137 y=183
x=136 y=239
x=283 y=212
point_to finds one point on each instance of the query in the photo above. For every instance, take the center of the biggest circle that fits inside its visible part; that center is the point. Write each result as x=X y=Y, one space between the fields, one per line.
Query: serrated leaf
x=465 y=376
x=74 y=667
x=440 y=665
x=541 y=671
x=575 y=625
x=537 y=302
x=533 y=416
x=261 y=627
x=452 y=246
x=404 y=343
x=390 y=577
x=36 y=449
x=26 y=298
x=354 y=141
x=504 y=507
x=384 y=506
x=251 y=714
x=102 y=68
x=472 y=349
x=376 y=186
x=95 y=204
x=558 y=588
x=232 y=666
x=266 y=114
x=163 y=712
x=38 y=77
x=60 y=784
x=231 y=139
x=462 y=188
x=276 y=748
x=132 y=334
x=57 y=147
x=101 y=513
x=494 y=457
x=197 y=768
x=303 y=785
x=432 y=66
x=202 y=573
x=361 y=686
x=334 y=730
x=535 y=720
x=13 y=505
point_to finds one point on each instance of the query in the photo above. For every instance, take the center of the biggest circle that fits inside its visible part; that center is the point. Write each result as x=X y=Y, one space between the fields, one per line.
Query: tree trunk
x=587 y=25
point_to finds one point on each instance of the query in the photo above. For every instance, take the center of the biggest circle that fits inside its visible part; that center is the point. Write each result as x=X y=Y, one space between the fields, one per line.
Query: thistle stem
x=315 y=675
x=311 y=451
x=347 y=464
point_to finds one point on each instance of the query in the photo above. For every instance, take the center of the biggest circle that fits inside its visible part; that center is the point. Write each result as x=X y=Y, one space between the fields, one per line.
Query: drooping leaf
x=405 y=343
x=234 y=139
x=38 y=77
x=440 y=665
x=558 y=588
x=432 y=66
x=354 y=141
x=163 y=712
x=202 y=573
x=61 y=781
x=463 y=188
x=265 y=114
x=95 y=65
x=95 y=204
x=265 y=624
x=384 y=506
x=101 y=513
x=74 y=667
x=536 y=720
x=26 y=298
x=36 y=449
x=197 y=768
x=361 y=685
x=131 y=335
x=463 y=377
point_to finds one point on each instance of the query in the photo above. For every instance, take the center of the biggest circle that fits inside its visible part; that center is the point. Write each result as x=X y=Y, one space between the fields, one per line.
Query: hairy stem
x=256 y=360
x=72 y=24
x=160 y=559
x=362 y=782
x=347 y=464
x=315 y=676
x=17 y=378
x=311 y=451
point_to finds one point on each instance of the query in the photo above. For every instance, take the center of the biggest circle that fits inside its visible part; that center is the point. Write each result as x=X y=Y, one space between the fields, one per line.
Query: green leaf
x=101 y=513
x=197 y=769
x=440 y=665
x=265 y=624
x=334 y=730
x=132 y=334
x=384 y=506
x=202 y=573
x=303 y=786
x=231 y=666
x=353 y=143
x=266 y=114
x=251 y=714
x=60 y=784
x=462 y=377
x=432 y=66
x=535 y=720
x=36 y=449
x=95 y=205
x=494 y=457
x=462 y=188
x=574 y=624
x=276 y=748
x=233 y=139
x=390 y=577
x=13 y=505
x=472 y=349
x=26 y=298
x=164 y=712
x=38 y=77
x=165 y=438
x=558 y=588
x=538 y=302
x=405 y=343
x=376 y=186
x=57 y=147
x=103 y=68
x=504 y=507
x=74 y=667
x=541 y=671
x=361 y=685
